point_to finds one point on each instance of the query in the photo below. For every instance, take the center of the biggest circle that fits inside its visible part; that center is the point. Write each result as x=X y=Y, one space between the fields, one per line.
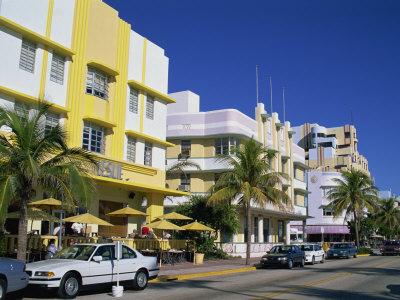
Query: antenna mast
x=257 y=98
x=270 y=92
x=284 y=105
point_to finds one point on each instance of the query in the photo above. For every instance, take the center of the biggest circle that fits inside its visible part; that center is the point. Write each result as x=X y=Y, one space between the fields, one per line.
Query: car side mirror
x=97 y=258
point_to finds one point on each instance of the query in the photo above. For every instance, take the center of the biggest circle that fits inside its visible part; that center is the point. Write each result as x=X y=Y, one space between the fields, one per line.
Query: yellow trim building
x=108 y=86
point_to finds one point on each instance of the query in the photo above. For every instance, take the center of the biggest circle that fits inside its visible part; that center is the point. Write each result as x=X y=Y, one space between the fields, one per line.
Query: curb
x=179 y=277
x=361 y=255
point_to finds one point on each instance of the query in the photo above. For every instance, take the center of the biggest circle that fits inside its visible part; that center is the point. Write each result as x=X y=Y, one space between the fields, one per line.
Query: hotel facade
x=328 y=152
x=200 y=136
x=109 y=89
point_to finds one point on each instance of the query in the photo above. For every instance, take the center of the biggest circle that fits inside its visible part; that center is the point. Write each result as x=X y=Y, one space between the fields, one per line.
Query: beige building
x=201 y=136
x=330 y=149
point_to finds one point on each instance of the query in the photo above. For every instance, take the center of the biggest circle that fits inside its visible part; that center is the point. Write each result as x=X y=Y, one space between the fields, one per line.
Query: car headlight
x=282 y=258
x=44 y=274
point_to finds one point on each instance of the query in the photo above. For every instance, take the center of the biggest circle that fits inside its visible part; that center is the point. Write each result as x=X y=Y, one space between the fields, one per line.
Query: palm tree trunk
x=248 y=229
x=23 y=231
x=356 y=228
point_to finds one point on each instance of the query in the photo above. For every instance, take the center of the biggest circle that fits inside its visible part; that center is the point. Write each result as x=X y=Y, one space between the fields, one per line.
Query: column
x=155 y=206
x=287 y=241
x=260 y=229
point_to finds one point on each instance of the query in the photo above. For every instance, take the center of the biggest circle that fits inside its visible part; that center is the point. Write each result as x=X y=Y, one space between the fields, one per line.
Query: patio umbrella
x=87 y=219
x=126 y=212
x=174 y=216
x=33 y=214
x=196 y=226
x=164 y=225
x=46 y=203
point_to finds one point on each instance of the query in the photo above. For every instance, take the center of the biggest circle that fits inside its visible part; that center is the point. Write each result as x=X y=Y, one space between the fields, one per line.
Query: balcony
x=205 y=163
x=300 y=186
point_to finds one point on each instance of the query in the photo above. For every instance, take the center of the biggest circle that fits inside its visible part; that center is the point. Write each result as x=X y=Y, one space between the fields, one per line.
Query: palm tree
x=181 y=167
x=388 y=216
x=249 y=182
x=353 y=193
x=35 y=157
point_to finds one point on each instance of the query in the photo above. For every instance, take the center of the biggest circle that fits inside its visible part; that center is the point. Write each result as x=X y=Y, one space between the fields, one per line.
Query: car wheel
x=302 y=263
x=3 y=289
x=141 y=280
x=313 y=260
x=290 y=264
x=69 y=286
x=323 y=259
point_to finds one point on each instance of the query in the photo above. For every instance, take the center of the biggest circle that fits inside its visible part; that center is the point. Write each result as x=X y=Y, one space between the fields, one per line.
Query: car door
x=297 y=254
x=102 y=271
x=127 y=265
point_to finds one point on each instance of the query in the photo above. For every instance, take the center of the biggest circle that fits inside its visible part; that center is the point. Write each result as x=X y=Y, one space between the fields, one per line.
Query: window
x=281 y=231
x=255 y=229
x=133 y=101
x=97 y=83
x=57 y=69
x=217 y=176
x=226 y=146
x=21 y=109
x=343 y=146
x=185 y=182
x=106 y=252
x=52 y=120
x=320 y=134
x=131 y=149
x=186 y=146
x=128 y=253
x=347 y=135
x=27 y=57
x=150 y=108
x=326 y=190
x=327 y=211
x=148 y=149
x=266 y=230
x=93 y=138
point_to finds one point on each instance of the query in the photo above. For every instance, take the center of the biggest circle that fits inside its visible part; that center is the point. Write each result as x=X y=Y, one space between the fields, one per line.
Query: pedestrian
x=51 y=249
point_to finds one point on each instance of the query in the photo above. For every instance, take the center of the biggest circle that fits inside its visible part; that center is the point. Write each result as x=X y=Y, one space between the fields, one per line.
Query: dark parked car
x=284 y=256
x=391 y=248
x=346 y=250
x=12 y=276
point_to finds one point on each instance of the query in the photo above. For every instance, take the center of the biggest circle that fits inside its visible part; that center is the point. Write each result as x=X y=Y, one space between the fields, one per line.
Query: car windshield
x=341 y=246
x=78 y=252
x=281 y=249
x=306 y=247
x=392 y=243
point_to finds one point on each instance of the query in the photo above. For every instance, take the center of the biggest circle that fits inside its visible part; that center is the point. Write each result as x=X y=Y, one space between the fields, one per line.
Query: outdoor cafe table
x=167 y=257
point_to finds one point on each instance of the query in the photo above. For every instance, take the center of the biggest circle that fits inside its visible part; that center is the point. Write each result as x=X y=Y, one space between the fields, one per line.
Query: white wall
x=135 y=57
x=132 y=120
x=156 y=127
x=11 y=76
x=62 y=22
x=186 y=101
x=156 y=68
x=28 y=13
x=158 y=157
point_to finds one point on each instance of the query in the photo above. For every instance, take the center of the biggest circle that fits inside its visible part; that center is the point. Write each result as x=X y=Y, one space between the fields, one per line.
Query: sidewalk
x=187 y=270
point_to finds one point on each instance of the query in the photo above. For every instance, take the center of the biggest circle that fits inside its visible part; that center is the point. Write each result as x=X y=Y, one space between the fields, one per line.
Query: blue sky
x=334 y=57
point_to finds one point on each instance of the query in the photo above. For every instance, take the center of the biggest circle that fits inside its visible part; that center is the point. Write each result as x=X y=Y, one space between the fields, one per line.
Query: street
x=360 y=278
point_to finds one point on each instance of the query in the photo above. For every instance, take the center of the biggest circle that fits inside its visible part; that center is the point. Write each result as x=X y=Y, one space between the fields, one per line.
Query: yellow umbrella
x=164 y=225
x=87 y=219
x=196 y=226
x=126 y=212
x=49 y=202
x=174 y=216
x=33 y=214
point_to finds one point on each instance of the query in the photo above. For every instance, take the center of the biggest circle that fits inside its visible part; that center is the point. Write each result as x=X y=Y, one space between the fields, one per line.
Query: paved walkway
x=208 y=266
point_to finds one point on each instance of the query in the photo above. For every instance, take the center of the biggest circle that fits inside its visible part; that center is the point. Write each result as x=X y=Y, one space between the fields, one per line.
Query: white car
x=86 y=264
x=314 y=253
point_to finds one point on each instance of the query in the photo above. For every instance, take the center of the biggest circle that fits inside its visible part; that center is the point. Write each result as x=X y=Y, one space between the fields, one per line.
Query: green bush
x=206 y=245
x=3 y=246
x=364 y=250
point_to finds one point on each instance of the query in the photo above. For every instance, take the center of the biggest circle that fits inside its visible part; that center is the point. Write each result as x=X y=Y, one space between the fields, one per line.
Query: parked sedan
x=346 y=250
x=314 y=253
x=391 y=248
x=86 y=264
x=284 y=256
x=12 y=276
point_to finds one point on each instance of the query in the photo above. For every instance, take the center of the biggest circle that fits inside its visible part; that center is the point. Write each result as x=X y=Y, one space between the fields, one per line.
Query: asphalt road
x=361 y=278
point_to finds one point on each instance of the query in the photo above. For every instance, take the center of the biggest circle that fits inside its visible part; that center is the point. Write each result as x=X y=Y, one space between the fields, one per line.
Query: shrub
x=364 y=250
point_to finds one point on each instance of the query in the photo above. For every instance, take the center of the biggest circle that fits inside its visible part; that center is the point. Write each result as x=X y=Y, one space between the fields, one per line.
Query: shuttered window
x=57 y=69
x=148 y=153
x=52 y=120
x=27 y=57
x=150 y=108
x=131 y=150
x=133 y=101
